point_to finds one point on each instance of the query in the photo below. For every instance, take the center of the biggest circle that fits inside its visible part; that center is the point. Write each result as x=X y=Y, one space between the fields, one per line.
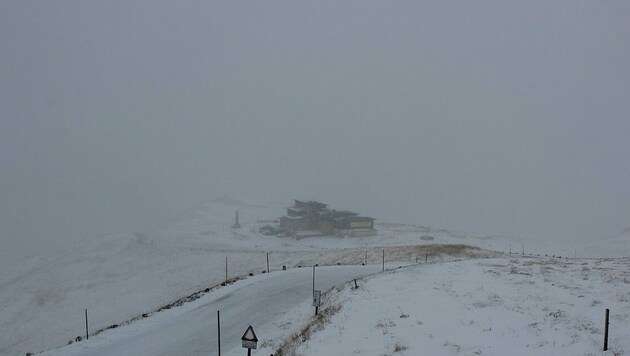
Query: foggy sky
x=500 y=117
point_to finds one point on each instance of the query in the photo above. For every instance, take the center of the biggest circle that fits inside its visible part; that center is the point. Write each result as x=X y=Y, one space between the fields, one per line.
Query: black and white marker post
x=316 y=294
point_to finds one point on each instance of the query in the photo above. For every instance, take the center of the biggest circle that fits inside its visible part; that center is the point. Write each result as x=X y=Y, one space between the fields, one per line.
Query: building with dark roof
x=312 y=218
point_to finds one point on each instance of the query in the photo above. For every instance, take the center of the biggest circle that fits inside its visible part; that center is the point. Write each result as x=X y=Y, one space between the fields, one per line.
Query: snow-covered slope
x=119 y=277
x=518 y=306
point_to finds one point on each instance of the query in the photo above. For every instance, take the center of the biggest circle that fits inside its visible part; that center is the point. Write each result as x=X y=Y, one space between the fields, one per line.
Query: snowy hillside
x=120 y=277
x=518 y=306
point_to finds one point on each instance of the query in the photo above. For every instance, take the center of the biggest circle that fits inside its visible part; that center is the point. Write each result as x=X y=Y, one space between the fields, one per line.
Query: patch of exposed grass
x=398 y=347
x=316 y=323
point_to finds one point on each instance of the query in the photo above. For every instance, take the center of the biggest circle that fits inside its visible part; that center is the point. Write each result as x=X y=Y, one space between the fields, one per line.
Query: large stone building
x=312 y=218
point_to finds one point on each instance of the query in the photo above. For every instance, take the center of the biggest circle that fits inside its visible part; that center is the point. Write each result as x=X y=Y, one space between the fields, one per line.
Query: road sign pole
x=313 y=279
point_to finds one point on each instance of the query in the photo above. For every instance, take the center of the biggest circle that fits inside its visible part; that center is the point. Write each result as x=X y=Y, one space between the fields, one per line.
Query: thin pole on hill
x=606 y=331
x=313 y=280
x=87 y=332
x=366 y=258
x=523 y=249
x=267 y=262
x=219 y=332
x=226 y=271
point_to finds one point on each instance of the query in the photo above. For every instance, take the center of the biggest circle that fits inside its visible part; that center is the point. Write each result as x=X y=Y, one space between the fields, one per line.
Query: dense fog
x=503 y=118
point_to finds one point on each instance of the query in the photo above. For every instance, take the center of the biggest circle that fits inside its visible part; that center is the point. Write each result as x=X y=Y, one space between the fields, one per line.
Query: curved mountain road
x=191 y=329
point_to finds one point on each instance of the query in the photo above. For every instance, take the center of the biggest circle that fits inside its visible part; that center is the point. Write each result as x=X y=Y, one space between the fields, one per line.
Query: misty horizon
x=490 y=117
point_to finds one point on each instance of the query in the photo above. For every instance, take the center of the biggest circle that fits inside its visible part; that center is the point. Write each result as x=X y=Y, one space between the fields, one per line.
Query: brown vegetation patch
x=316 y=323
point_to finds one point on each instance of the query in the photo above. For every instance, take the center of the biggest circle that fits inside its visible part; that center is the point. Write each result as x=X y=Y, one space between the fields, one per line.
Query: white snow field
x=121 y=277
x=519 y=306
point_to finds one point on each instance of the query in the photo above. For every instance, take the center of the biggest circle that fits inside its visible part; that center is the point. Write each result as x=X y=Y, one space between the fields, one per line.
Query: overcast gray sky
x=508 y=117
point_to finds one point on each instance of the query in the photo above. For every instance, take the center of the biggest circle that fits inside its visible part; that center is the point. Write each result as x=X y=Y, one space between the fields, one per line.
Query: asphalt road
x=192 y=329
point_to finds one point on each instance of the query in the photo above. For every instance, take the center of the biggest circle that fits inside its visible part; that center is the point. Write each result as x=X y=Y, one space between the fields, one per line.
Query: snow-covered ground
x=192 y=328
x=120 y=277
x=518 y=306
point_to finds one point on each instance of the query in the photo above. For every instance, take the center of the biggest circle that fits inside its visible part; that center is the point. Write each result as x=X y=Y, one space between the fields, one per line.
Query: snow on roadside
x=483 y=307
x=122 y=276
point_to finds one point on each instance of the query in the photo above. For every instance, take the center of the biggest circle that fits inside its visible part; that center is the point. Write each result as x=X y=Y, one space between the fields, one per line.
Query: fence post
x=267 y=262
x=87 y=332
x=606 y=331
x=383 y=260
x=219 y=332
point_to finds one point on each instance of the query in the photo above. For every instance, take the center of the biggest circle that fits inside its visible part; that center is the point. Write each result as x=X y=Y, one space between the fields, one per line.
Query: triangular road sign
x=249 y=335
